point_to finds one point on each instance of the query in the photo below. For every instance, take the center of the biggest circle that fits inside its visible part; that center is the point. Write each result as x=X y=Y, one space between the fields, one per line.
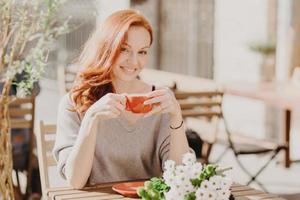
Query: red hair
x=98 y=56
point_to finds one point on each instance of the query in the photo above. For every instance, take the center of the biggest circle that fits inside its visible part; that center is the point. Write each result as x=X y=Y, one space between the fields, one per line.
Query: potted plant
x=267 y=50
x=27 y=31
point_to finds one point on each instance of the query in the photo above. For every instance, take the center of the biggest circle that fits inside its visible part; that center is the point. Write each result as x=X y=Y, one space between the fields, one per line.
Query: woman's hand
x=164 y=101
x=109 y=106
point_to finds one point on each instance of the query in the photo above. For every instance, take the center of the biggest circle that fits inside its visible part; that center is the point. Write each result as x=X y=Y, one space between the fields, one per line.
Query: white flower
x=181 y=194
x=169 y=165
x=200 y=194
x=206 y=194
x=178 y=178
x=181 y=179
x=226 y=183
x=189 y=159
x=216 y=188
x=171 y=194
x=210 y=195
x=191 y=173
x=180 y=170
x=206 y=185
x=196 y=170
x=174 y=194
x=169 y=178
x=215 y=182
x=187 y=187
x=176 y=186
x=223 y=194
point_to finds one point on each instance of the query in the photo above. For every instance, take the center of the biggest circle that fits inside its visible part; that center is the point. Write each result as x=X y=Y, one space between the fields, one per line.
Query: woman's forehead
x=138 y=37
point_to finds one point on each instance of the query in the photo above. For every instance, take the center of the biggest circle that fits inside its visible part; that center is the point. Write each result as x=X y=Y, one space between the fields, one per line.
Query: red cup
x=135 y=104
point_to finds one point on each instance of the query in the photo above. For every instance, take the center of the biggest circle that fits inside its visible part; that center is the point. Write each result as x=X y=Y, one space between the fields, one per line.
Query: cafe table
x=105 y=192
x=282 y=95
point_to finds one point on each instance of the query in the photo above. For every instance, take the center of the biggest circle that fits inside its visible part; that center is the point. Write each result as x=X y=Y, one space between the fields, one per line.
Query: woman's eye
x=143 y=52
x=125 y=50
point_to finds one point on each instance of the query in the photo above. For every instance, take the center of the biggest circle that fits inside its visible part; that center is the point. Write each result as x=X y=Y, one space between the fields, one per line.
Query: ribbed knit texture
x=123 y=151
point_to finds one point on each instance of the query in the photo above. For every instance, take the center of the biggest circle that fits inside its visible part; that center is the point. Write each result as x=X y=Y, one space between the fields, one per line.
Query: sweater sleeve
x=164 y=139
x=68 y=125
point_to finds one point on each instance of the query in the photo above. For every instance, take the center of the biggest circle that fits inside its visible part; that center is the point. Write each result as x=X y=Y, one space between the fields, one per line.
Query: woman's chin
x=127 y=78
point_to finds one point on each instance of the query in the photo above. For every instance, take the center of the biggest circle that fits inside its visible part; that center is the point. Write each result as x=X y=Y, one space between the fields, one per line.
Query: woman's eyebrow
x=125 y=44
x=145 y=47
x=128 y=45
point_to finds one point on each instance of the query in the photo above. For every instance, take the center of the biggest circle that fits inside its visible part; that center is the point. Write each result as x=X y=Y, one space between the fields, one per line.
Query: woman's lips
x=128 y=69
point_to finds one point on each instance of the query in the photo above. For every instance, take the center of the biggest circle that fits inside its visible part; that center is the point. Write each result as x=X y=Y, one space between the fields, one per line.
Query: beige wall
x=183 y=32
x=150 y=9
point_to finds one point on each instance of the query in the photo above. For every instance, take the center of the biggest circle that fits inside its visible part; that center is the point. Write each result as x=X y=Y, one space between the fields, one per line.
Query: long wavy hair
x=99 y=55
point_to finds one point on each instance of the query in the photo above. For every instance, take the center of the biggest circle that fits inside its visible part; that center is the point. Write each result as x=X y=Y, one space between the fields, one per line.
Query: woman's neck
x=125 y=86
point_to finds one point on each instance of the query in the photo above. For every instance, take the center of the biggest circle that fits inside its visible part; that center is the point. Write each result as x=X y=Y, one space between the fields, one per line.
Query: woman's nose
x=133 y=59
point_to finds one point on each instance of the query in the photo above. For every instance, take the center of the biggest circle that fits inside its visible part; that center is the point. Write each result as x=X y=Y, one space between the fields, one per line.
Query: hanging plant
x=28 y=28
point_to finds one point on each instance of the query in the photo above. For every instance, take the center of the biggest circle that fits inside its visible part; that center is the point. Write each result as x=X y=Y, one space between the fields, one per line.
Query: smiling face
x=133 y=55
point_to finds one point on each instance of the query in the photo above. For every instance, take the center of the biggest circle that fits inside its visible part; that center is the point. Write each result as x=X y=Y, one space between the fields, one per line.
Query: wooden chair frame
x=234 y=141
x=66 y=77
x=244 y=145
x=45 y=144
x=205 y=105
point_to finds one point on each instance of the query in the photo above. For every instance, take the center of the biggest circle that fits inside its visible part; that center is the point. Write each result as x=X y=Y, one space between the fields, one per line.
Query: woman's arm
x=178 y=141
x=166 y=102
x=79 y=162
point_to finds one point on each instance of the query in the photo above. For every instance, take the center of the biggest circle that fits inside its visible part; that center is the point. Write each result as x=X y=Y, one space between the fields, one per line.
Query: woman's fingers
x=156 y=109
x=120 y=98
x=166 y=110
x=117 y=101
x=162 y=101
x=156 y=93
x=115 y=110
x=154 y=100
x=119 y=106
x=165 y=105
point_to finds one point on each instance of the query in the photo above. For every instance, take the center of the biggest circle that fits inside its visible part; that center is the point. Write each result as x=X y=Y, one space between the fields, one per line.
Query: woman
x=98 y=140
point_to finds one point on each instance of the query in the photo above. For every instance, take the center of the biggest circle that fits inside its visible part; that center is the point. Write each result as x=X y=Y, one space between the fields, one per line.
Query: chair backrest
x=45 y=144
x=205 y=104
x=66 y=77
x=202 y=106
x=21 y=111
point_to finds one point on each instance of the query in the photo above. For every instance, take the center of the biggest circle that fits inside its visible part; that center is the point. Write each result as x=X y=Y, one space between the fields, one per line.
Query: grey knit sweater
x=123 y=151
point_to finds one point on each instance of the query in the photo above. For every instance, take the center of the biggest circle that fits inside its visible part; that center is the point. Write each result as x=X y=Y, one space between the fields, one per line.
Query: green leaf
x=196 y=182
x=190 y=196
x=148 y=185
